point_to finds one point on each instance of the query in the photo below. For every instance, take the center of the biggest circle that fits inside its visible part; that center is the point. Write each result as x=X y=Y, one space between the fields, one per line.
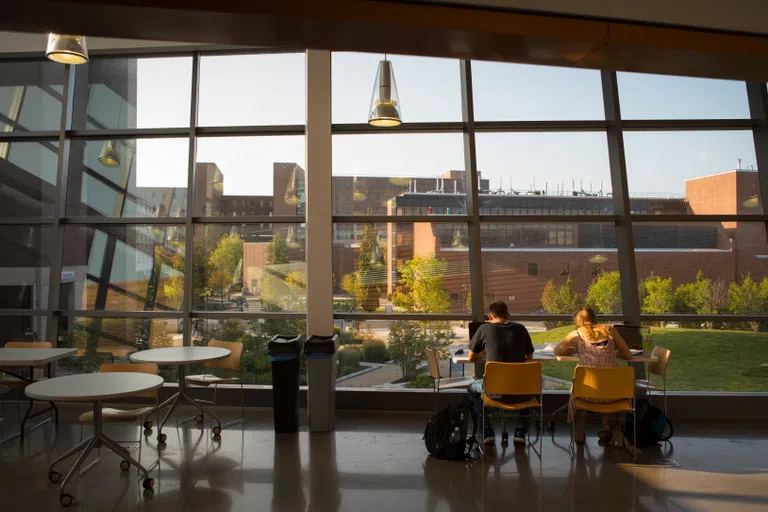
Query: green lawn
x=702 y=360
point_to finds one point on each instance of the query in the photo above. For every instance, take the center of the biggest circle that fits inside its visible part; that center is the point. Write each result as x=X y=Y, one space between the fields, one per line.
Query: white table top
x=89 y=387
x=33 y=356
x=180 y=355
x=538 y=355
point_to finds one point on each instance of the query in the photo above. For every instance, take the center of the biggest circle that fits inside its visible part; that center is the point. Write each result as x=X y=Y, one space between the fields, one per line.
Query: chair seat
x=11 y=381
x=490 y=402
x=456 y=382
x=647 y=384
x=116 y=415
x=617 y=406
x=208 y=379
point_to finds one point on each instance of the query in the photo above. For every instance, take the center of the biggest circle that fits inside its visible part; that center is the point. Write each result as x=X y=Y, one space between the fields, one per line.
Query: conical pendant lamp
x=358 y=194
x=385 y=104
x=66 y=49
x=458 y=240
x=109 y=155
x=294 y=191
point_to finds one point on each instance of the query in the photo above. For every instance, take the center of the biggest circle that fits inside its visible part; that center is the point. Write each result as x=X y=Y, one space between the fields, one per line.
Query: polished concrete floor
x=377 y=462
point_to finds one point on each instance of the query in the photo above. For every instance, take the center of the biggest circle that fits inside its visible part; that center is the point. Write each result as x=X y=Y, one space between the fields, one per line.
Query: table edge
x=186 y=361
x=93 y=399
x=67 y=352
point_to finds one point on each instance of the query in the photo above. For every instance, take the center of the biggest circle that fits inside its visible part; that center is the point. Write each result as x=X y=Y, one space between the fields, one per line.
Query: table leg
x=183 y=392
x=97 y=439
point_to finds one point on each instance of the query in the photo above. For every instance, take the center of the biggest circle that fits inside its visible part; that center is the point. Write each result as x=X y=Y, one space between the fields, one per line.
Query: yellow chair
x=513 y=379
x=658 y=367
x=444 y=383
x=10 y=382
x=232 y=363
x=614 y=387
x=140 y=414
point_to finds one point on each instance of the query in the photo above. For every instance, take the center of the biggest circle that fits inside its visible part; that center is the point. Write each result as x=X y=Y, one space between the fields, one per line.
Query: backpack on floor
x=653 y=426
x=445 y=435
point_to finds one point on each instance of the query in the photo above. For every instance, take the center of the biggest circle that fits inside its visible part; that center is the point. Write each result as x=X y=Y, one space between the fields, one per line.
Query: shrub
x=351 y=355
x=375 y=351
x=422 y=380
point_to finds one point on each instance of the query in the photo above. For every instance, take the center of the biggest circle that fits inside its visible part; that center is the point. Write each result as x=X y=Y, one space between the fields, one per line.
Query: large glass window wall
x=172 y=210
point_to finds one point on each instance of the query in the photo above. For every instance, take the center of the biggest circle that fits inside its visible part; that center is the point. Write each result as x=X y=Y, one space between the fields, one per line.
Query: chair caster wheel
x=504 y=439
x=161 y=438
x=125 y=465
x=216 y=432
x=551 y=425
x=66 y=500
x=148 y=483
x=148 y=425
x=199 y=418
x=54 y=477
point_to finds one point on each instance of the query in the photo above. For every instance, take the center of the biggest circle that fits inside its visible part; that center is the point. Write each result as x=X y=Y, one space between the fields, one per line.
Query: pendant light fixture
x=458 y=240
x=66 y=49
x=290 y=238
x=385 y=104
x=110 y=151
x=294 y=192
x=358 y=194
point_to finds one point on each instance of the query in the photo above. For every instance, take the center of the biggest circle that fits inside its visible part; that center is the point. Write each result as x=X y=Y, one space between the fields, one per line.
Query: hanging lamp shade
x=294 y=192
x=109 y=155
x=458 y=240
x=751 y=202
x=385 y=104
x=290 y=238
x=66 y=49
x=400 y=181
x=598 y=258
x=358 y=195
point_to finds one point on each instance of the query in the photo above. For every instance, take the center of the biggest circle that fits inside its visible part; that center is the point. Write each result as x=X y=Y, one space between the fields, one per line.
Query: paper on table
x=549 y=348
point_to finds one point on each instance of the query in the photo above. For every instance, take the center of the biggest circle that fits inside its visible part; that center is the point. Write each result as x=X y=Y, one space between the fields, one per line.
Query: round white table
x=96 y=388
x=182 y=356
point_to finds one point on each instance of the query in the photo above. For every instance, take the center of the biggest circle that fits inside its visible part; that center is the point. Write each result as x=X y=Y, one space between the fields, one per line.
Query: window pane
x=28 y=178
x=692 y=173
x=239 y=176
x=522 y=92
x=250 y=268
x=429 y=89
x=544 y=174
x=252 y=90
x=31 y=95
x=25 y=253
x=121 y=268
x=22 y=328
x=113 y=340
x=677 y=97
x=401 y=268
x=399 y=174
x=254 y=335
x=580 y=260
x=707 y=268
x=144 y=178
x=134 y=93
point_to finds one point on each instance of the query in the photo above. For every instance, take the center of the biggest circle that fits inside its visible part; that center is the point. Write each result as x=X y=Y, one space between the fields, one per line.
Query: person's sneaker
x=519 y=437
x=489 y=438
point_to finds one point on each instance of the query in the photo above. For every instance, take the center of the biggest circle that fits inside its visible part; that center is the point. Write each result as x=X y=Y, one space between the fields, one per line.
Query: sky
x=270 y=90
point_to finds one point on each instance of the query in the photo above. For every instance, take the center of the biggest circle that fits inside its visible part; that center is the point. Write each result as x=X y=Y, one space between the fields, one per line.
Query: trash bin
x=284 y=352
x=321 y=381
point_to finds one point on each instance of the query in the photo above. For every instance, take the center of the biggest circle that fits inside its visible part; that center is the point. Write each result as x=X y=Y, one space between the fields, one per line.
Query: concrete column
x=319 y=197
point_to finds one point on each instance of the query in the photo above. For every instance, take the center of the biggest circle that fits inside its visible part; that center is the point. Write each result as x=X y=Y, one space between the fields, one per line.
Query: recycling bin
x=320 y=352
x=284 y=356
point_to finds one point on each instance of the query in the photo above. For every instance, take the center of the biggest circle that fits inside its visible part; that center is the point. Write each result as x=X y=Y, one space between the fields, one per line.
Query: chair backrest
x=30 y=344
x=150 y=368
x=229 y=363
x=512 y=378
x=604 y=383
x=659 y=367
x=434 y=365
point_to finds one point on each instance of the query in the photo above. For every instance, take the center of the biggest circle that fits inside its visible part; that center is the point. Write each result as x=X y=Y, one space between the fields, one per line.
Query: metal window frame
x=613 y=126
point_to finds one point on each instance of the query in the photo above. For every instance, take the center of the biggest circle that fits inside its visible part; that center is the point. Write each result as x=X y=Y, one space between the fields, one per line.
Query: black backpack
x=445 y=435
x=653 y=426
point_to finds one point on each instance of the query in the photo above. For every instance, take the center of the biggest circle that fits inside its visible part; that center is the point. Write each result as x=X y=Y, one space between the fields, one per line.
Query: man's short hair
x=499 y=310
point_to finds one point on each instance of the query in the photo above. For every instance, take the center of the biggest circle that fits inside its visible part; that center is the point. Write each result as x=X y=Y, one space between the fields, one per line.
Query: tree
x=657 y=295
x=277 y=250
x=604 y=294
x=420 y=290
x=748 y=298
x=561 y=299
x=702 y=297
x=365 y=285
x=223 y=262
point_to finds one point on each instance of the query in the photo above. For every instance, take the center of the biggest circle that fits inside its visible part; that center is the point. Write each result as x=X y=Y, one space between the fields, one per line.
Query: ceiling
x=745 y=16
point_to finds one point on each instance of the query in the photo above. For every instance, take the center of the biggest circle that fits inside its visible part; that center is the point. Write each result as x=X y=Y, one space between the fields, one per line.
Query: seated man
x=506 y=342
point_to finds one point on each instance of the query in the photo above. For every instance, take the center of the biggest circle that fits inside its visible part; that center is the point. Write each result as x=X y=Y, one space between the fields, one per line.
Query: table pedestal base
x=173 y=402
x=97 y=440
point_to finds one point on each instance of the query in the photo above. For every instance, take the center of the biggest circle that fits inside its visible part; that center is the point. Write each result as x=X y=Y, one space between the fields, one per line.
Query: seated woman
x=596 y=345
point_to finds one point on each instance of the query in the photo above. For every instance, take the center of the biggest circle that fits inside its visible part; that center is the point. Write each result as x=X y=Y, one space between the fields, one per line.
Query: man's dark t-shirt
x=503 y=342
